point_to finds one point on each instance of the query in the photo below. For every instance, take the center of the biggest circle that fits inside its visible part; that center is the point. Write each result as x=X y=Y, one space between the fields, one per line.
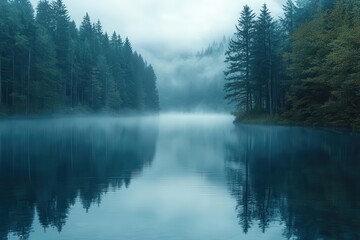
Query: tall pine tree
x=263 y=64
x=239 y=58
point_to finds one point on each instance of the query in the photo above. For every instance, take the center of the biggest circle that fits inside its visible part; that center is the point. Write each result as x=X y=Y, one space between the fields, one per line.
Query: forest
x=302 y=68
x=49 y=65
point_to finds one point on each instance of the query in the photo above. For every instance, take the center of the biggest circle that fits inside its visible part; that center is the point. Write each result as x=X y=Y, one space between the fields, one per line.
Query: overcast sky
x=166 y=26
x=164 y=31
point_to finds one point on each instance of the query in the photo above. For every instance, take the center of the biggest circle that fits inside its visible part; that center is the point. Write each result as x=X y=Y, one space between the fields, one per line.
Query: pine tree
x=116 y=56
x=151 y=92
x=60 y=30
x=113 y=98
x=85 y=60
x=129 y=81
x=74 y=65
x=289 y=21
x=4 y=42
x=44 y=15
x=5 y=39
x=23 y=34
x=263 y=63
x=46 y=91
x=48 y=64
x=309 y=89
x=239 y=58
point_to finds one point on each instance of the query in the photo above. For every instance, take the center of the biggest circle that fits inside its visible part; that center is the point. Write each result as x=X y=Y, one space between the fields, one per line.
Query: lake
x=176 y=176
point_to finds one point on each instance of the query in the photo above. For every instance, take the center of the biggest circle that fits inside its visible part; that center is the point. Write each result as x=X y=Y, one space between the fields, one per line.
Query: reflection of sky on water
x=188 y=177
x=173 y=208
x=183 y=195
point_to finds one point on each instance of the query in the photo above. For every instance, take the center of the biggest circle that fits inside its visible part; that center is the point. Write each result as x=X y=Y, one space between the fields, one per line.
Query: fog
x=152 y=177
x=194 y=82
x=167 y=26
x=169 y=34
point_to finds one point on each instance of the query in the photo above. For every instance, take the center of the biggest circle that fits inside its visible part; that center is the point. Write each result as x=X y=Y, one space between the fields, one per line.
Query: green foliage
x=325 y=66
x=239 y=57
x=45 y=88
x=47 y=64
x=151 y=97
x=253 y=58
x=306 y=66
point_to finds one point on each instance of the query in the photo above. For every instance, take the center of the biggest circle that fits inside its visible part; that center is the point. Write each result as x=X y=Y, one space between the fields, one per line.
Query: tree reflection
x=45 y=167
x=306 y=179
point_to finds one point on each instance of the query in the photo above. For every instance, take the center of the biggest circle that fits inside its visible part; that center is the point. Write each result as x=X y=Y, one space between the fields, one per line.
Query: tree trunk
x=270 y=95
x=0 y=78
x=251 y=101
x=28 y=84
x=72 y=86
x=1 y=150
x=7 y=93
x=65 y=83
x=71 y=149
x=247 y=77
x=260 y=97
x=13 y=77
x=270 y=81
x=77 y=96
x=28 y=155
x=106 y=92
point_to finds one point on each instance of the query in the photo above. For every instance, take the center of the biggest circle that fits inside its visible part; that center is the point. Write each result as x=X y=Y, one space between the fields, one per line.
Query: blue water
x=176 y=176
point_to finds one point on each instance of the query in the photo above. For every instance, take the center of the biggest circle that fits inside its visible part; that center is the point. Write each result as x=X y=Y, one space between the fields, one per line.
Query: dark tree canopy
x=49 y=65
x=239 y=57
x=304 y=67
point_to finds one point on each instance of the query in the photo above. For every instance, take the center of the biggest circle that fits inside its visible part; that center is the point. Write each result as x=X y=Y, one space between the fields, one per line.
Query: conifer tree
x=61 y=34
x=239 y=59
x=263 y=64
x=151 y=92
x=48 y=64
x=288 y=21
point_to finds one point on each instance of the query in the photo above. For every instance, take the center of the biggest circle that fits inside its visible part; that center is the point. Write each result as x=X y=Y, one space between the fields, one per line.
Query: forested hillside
x=302 y=68
x=48 y=65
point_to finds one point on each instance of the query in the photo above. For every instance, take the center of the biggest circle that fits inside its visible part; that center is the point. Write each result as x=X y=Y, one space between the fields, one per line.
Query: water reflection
x=86 y=178
x=306 y=179
x=45 y=165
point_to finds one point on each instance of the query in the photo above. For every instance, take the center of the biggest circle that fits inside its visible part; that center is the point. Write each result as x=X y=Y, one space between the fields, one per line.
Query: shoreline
x=279 y=121
x=79 y=114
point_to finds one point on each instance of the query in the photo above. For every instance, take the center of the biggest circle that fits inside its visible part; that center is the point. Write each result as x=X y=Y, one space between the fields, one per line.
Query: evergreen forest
x=49 y=65
x=302 y=68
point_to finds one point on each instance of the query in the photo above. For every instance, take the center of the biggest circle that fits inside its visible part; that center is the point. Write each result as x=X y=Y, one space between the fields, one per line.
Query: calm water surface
x=186 y=177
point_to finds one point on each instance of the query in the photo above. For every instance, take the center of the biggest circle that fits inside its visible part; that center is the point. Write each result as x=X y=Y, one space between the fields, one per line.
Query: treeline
x=215 y=49
x=47 y=64
x=302 y=68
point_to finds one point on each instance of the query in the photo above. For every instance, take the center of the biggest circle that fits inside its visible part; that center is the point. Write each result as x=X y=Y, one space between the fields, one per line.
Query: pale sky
x=166 y=26
x=164 y=31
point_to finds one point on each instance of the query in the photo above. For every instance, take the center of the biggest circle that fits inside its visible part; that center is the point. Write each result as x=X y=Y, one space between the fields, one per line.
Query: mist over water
x=176 y=176
x=187 y=172
x=194 y=82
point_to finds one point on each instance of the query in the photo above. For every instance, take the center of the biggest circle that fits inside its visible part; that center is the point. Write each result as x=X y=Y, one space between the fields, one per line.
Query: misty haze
x=189 y=120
